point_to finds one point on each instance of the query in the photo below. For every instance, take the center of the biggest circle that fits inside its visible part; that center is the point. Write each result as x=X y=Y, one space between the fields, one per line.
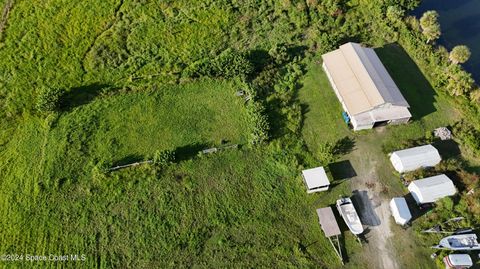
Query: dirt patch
x=3 y=20
x=373 y=207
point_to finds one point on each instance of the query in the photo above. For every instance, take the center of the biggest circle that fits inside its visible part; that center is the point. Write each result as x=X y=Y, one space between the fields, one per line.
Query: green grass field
x=212 y=211
x=121 y=67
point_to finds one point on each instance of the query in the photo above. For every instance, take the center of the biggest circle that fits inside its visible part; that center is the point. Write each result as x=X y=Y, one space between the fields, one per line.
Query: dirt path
x=372 y=206
x=3 y=20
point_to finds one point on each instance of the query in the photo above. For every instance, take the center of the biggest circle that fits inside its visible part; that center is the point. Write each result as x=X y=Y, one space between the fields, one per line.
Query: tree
x=395 y=14
x=430 y=25
x=459 y=82
x=460 y=54
x=279 y=53
x=475 y=96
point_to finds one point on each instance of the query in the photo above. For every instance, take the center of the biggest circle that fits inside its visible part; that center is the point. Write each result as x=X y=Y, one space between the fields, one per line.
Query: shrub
x=326 y=153
x=468 y=136
x=48 y=99
x=163 y=158
x=279 y=53
x=259 y=121
x=231 y=63
x=228 y=64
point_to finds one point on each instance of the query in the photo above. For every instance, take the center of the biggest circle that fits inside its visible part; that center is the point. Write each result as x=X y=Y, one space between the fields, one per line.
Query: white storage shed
x=316 y=179
x=430 y=189
x=400 y=211
x=415 y=158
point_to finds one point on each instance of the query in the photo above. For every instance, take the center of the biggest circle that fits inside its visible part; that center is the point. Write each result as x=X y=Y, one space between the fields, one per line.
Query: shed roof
x=361 y=79
x=430 y=189
x=414 y=158
x=328 y=222
x=400 y=211
x=315 y=177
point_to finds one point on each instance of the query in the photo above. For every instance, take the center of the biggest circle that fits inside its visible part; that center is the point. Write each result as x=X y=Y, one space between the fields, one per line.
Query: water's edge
x=460 y=24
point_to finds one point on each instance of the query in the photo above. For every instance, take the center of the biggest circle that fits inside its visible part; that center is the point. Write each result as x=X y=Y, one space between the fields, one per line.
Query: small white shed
x=400 y=211
x=316 y=179
x=430 y=189
x=415 y=158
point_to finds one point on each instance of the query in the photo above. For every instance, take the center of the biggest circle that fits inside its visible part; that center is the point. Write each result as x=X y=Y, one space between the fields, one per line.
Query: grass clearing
x=241 y=207
x=322 y=112
x=130 y=127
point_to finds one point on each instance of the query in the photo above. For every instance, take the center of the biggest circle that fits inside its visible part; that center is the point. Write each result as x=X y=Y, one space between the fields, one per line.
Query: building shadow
x=410 y=80
x=342 y=170
x=447 y=148
x=365 y=208
x=416 y=210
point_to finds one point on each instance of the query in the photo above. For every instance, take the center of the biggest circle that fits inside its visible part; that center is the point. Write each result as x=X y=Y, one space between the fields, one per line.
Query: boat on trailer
x=459 y=242
x=349 y=215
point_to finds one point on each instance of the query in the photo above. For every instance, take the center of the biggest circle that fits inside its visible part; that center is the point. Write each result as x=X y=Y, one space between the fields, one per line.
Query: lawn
x=131 y=126
x=322 y=112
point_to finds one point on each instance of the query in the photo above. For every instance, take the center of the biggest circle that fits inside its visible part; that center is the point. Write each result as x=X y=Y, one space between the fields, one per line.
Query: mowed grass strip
x=323 y=120
x=131 y=127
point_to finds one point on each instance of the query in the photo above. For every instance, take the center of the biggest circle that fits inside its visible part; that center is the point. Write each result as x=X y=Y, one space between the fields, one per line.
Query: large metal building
x=362 y=84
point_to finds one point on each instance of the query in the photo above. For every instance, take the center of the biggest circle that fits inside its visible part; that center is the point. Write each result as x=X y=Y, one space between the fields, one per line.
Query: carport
x=330 y=228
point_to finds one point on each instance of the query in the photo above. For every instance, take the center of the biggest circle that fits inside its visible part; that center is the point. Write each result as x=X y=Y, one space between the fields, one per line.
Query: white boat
x=459 y=242
x=349 y=215
x=458 y=261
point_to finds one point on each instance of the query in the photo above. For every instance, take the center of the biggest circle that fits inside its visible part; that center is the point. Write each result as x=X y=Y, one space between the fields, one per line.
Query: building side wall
x=400 y=121
x=323 y=188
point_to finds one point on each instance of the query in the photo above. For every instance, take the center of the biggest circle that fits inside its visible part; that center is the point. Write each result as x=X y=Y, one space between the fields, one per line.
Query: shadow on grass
x=342 y=170
x=181 y=154
x=412 y=83
x=415 y=210
x=187 y=152
x=344 y=146
x=129 y=159
x=447 y=148
x=81 y=95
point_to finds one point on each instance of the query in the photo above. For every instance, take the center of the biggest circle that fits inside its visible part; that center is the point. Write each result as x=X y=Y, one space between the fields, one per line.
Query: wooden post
x=339 y=250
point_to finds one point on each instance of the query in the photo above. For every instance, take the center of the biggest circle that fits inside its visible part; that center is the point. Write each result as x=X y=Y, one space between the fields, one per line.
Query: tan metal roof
x=361 y=79
x=328 y=221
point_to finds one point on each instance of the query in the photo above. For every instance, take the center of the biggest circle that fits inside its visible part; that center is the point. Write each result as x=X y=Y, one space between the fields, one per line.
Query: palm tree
x=430 y=25
x=460 y=54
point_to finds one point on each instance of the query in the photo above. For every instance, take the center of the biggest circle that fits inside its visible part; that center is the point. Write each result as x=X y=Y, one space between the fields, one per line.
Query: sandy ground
x=373 y=209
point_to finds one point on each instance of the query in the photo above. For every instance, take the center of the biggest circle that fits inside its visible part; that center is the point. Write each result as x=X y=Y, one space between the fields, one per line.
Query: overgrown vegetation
x=88 y=85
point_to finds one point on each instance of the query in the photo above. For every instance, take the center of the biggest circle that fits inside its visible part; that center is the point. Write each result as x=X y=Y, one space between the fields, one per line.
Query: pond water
x=460 y=24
